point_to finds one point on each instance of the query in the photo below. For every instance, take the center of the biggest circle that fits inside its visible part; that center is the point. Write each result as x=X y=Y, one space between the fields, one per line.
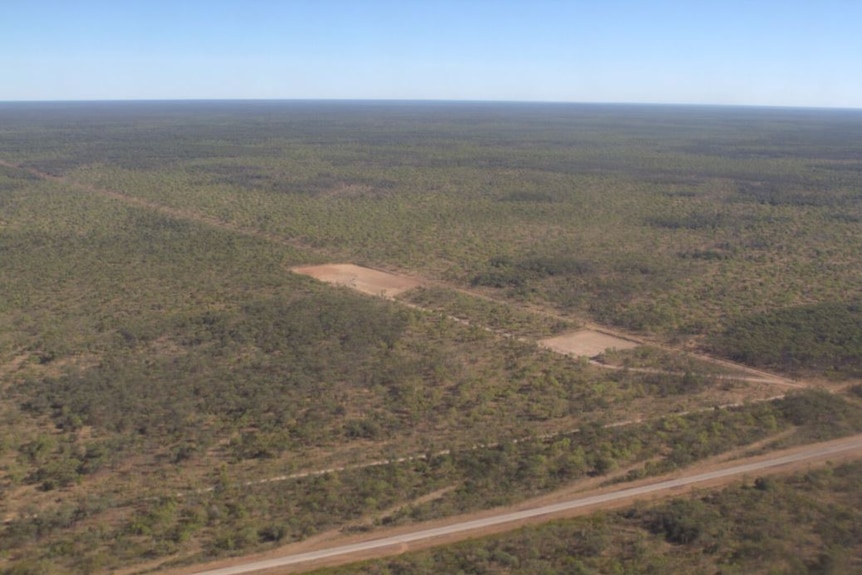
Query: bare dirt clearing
x=361 y=279
x=586 y=343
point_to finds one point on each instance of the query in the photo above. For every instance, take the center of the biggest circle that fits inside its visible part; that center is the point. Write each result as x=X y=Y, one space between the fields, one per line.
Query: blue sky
x=753 y=52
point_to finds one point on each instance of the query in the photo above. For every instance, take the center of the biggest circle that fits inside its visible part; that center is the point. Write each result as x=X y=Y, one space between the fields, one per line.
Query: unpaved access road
x=178 y=213
x=757 y=376
x=388 y=545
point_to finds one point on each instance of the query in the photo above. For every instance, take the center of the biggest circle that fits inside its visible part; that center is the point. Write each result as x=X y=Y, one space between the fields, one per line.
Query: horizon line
x=430 y=101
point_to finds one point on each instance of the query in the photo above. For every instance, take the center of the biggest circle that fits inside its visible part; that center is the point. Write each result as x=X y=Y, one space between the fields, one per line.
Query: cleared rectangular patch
x=365 y=280
x=586 y=343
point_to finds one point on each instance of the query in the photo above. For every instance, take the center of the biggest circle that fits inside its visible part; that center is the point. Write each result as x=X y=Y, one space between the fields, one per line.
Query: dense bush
x=806 y=523
x=825 y=338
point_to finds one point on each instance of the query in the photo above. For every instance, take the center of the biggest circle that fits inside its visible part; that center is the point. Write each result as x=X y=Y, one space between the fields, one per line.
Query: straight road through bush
x=386 y=545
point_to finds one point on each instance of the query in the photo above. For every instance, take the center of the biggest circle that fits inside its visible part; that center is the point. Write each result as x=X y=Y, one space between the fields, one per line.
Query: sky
x=727 y=52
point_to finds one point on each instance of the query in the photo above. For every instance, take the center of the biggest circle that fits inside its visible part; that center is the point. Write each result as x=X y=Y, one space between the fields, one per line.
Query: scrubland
x=159 y=360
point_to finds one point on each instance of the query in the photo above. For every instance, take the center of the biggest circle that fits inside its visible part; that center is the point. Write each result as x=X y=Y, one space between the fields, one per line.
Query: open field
x=365 y=280
x=586 y=343
x=170 y=393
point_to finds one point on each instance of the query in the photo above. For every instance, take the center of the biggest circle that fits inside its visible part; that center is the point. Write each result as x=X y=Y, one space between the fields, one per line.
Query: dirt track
x=614 y=335
x=166 y=210
x=412 y=543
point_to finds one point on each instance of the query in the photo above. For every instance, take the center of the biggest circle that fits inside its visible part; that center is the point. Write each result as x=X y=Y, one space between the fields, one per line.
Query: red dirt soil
x=362 y=279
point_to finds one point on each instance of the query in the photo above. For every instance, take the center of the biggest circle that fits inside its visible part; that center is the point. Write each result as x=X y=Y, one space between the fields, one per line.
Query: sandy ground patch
x=586 y=343
x=362 y=279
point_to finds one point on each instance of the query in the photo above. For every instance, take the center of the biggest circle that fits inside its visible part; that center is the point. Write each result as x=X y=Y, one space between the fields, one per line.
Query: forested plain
x=159 y=359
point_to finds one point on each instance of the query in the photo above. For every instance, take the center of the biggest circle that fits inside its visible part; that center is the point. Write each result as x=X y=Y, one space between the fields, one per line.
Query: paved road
x=820 y=451
x=469 y=525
